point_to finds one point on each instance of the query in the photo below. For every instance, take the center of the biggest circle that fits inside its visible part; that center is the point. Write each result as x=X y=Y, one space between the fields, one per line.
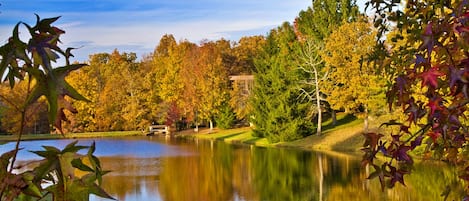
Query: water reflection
x=169 y=169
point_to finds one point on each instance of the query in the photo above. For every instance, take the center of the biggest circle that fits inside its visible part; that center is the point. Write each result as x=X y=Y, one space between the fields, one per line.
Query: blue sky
x=136 y=26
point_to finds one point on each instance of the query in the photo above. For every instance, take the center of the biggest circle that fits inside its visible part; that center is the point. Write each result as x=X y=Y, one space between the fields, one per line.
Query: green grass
x=237 y=135
x=346 y=136
x=71 y=135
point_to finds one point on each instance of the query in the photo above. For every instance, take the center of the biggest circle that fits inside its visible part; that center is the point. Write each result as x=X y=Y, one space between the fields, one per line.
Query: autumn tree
x=191 y=74
x=118 y=97
x=312 y=27
x=90 y=83
x=12 y=107
x=431 y=90
x=213 y=81
x=277 y=114
x=168 y=62
x=245 y=52
x=354 y=84
x=156 y=109
x=312 y=87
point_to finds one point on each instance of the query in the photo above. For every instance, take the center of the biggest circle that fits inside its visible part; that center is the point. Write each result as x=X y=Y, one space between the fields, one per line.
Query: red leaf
x=434 y=135
x=435 y=105
x=372 y=139
x=401 y=154
x=430 y=77
x=397 y=176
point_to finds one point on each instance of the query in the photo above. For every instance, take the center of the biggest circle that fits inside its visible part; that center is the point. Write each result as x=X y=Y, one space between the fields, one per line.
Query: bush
x=226 y=118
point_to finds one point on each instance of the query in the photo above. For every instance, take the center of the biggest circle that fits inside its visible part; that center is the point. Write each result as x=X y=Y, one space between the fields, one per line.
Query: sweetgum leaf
x=430 y=77
x=402 y=154
x=54 y=87
x=372 y=139
x=51 y=149
x=97 y=190
x=77 y=163
x=73 y=148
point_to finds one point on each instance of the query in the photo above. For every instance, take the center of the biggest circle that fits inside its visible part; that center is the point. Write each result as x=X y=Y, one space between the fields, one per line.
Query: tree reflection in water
x=218 y=171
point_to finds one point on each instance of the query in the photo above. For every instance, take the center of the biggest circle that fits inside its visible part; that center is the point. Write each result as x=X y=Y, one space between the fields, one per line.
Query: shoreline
x=342 y=139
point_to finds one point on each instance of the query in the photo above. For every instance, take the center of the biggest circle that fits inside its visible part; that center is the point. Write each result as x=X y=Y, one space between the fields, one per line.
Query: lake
x=159 y=168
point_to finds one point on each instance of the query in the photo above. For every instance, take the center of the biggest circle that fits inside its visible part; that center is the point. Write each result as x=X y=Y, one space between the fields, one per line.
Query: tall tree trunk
x=211 y=125
x=318 y=103
x=196 y=122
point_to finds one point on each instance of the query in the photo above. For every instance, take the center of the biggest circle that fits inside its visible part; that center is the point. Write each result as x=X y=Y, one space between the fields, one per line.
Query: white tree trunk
x=318 y=102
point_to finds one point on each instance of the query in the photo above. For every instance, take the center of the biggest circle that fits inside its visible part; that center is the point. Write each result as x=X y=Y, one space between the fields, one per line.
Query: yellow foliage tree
x=354 y=84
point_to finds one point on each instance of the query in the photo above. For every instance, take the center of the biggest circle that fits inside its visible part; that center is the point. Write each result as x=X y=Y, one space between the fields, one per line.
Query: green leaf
x=5 y=161
x=6 y=156
x=95 y=162
x=54 y=87
x=52 y=99
x=74 y=93
x=45 y=154
x=72 y=144
x=92 y=148
x=6 y=58
x=46 y=22
x=33 y=190
x=66 y=165
x=11 y=78
x=51 y=149
x=73 y=148
x=42 y=171
x=51 y=55
x=97 y=190
x=78 y=163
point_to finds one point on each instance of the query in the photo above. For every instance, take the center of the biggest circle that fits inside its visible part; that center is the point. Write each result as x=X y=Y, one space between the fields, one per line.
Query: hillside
x=345 y=136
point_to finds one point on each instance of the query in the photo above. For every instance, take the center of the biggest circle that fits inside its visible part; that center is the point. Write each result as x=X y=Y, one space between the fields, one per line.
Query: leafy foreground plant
x=32 y=62
x=427 y=55
x=56 y=177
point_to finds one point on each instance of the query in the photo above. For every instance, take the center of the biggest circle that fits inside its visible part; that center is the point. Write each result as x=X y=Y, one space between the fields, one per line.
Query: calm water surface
x=158 y=168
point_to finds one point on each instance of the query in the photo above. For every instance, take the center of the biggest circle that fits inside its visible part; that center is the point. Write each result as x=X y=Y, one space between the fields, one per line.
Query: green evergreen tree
x=324 y=16
x=226 y=118
x=277 y=113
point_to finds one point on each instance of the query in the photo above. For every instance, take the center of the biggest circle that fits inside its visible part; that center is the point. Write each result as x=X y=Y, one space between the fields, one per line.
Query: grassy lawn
x=346 y=136
x=237 y=135
x=5 y=138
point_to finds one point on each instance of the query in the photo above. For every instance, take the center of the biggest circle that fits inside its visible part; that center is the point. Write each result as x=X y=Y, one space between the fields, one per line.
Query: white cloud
x=138 y=26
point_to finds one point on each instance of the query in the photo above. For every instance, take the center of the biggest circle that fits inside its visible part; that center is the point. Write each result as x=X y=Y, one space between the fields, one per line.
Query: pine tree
x=277 y=113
